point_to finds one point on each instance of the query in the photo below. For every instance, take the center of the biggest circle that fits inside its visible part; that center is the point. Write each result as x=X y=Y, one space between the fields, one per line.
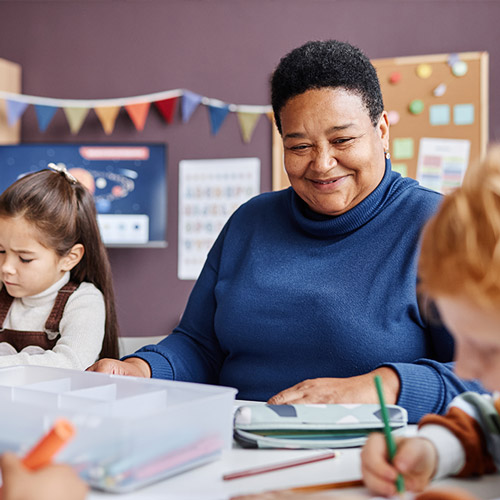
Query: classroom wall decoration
x=209 y=192
x=438 y=113
x=128 y=183
x=137 y=107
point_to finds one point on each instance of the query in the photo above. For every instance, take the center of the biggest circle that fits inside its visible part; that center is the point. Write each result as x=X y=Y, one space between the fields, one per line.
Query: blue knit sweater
x=287 y=295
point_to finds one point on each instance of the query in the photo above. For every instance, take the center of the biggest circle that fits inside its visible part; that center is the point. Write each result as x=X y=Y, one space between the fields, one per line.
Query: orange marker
x=43 y=452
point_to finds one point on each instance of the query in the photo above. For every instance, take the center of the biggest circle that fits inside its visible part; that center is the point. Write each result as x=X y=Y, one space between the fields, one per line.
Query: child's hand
x=416 y=459
x=54 y=482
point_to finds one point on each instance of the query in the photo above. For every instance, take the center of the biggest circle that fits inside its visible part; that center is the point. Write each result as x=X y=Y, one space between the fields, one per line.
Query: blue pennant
x=44 y=114
x=217 y=116
x=14 y=110
x=190 y=102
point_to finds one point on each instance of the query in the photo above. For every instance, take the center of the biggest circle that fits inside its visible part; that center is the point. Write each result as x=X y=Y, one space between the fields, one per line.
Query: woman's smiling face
x=334 y=155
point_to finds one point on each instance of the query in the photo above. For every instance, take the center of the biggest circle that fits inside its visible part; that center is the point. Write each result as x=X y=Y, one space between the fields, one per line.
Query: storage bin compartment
x=130 y=431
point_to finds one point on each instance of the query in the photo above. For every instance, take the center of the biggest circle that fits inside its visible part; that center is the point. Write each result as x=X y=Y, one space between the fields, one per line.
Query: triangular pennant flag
x=247 y=124
x=44 y=114
x=217 y=116
x=166 y=108
x=14 y=110
x=138 y=113
x=76 y=117
x=107 y=116
x=190 y=102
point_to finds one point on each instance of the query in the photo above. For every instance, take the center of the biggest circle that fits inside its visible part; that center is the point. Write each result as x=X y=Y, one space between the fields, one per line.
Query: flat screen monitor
x=128 y=181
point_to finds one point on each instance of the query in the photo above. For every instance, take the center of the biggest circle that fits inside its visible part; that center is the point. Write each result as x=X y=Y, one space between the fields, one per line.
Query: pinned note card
x=402 y=148
x=463 y=114
x=439 y=114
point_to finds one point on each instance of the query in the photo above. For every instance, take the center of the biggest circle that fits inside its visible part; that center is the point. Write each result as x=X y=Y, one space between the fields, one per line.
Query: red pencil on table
x=283 y=465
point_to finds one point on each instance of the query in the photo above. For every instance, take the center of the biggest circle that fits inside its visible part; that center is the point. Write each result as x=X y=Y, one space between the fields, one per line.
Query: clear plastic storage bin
x=130 y=431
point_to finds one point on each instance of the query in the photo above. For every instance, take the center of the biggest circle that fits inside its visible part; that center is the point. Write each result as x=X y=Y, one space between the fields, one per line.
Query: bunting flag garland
x=166 y=107
x=138 y=113
x=190 y=102
x=137 y=108
x=107 y=116
x=76 y=117
x=217 y=116
x=14 y=110
x=44 y=114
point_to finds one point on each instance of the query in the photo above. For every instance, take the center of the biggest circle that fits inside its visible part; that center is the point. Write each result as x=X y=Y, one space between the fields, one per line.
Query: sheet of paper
x=209 y=192
x=442 y=163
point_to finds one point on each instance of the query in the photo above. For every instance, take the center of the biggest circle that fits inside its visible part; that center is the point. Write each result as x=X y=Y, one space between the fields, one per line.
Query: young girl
x=56 y=295
x=460 y=269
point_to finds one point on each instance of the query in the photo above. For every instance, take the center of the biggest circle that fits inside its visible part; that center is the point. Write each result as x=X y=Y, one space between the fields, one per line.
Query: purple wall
x=224 y=49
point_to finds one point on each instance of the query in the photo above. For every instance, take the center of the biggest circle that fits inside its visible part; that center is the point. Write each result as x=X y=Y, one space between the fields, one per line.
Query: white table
x=206 y=482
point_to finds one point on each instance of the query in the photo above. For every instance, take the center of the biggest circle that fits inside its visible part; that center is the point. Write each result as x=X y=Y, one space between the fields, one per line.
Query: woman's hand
x=132 y=367
x=360 y=389
x=54 y=482
x=416 y=459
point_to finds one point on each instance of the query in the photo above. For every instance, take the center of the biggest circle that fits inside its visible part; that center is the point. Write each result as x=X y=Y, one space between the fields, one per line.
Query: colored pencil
x=391 y=445
x=283 y=465
x=44 y=451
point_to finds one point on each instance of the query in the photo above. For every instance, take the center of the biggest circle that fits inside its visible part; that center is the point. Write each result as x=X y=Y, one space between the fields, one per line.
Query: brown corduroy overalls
x=20 y=339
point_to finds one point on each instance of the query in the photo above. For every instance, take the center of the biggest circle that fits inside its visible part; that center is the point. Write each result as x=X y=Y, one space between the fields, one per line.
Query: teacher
x=310 y=291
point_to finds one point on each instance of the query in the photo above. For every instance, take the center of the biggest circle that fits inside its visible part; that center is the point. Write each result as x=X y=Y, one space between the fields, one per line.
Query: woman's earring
x=387 y=155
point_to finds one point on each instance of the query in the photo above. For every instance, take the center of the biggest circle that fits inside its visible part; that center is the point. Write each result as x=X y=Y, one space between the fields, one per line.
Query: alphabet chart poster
x=209 y=192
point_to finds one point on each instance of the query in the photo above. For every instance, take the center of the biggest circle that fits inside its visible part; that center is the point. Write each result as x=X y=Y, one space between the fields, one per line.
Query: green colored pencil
x=391 y=445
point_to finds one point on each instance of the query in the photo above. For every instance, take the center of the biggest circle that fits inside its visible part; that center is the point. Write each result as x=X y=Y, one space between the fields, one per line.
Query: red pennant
x=167 y=108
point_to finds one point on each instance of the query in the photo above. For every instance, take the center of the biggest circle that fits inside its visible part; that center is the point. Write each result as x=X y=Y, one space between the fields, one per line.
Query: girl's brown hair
x=64 y=213
x=461 y=244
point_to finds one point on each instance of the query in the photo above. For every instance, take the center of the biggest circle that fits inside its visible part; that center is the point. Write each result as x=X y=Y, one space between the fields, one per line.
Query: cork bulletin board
x=434 y=101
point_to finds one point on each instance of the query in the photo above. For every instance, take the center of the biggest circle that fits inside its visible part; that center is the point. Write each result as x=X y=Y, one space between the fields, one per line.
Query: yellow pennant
x=76 y=117
x=107 y=116
x=248 y=121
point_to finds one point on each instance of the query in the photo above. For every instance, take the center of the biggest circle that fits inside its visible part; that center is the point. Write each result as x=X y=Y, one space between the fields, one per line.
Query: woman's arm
x=191 y=352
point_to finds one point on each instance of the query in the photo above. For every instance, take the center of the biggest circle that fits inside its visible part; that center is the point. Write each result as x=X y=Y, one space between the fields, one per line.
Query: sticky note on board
x=463 y=114
x=402 y=148
x=395 y=77
x=453 y=58
x=459 y=68
x=440 y=90
x=424 y=70
x=393 y=117
x=400 y=168
x=439 y=114
x=416 y=106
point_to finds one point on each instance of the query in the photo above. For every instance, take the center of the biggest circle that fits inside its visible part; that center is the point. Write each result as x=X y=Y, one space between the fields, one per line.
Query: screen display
x=129 y=184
